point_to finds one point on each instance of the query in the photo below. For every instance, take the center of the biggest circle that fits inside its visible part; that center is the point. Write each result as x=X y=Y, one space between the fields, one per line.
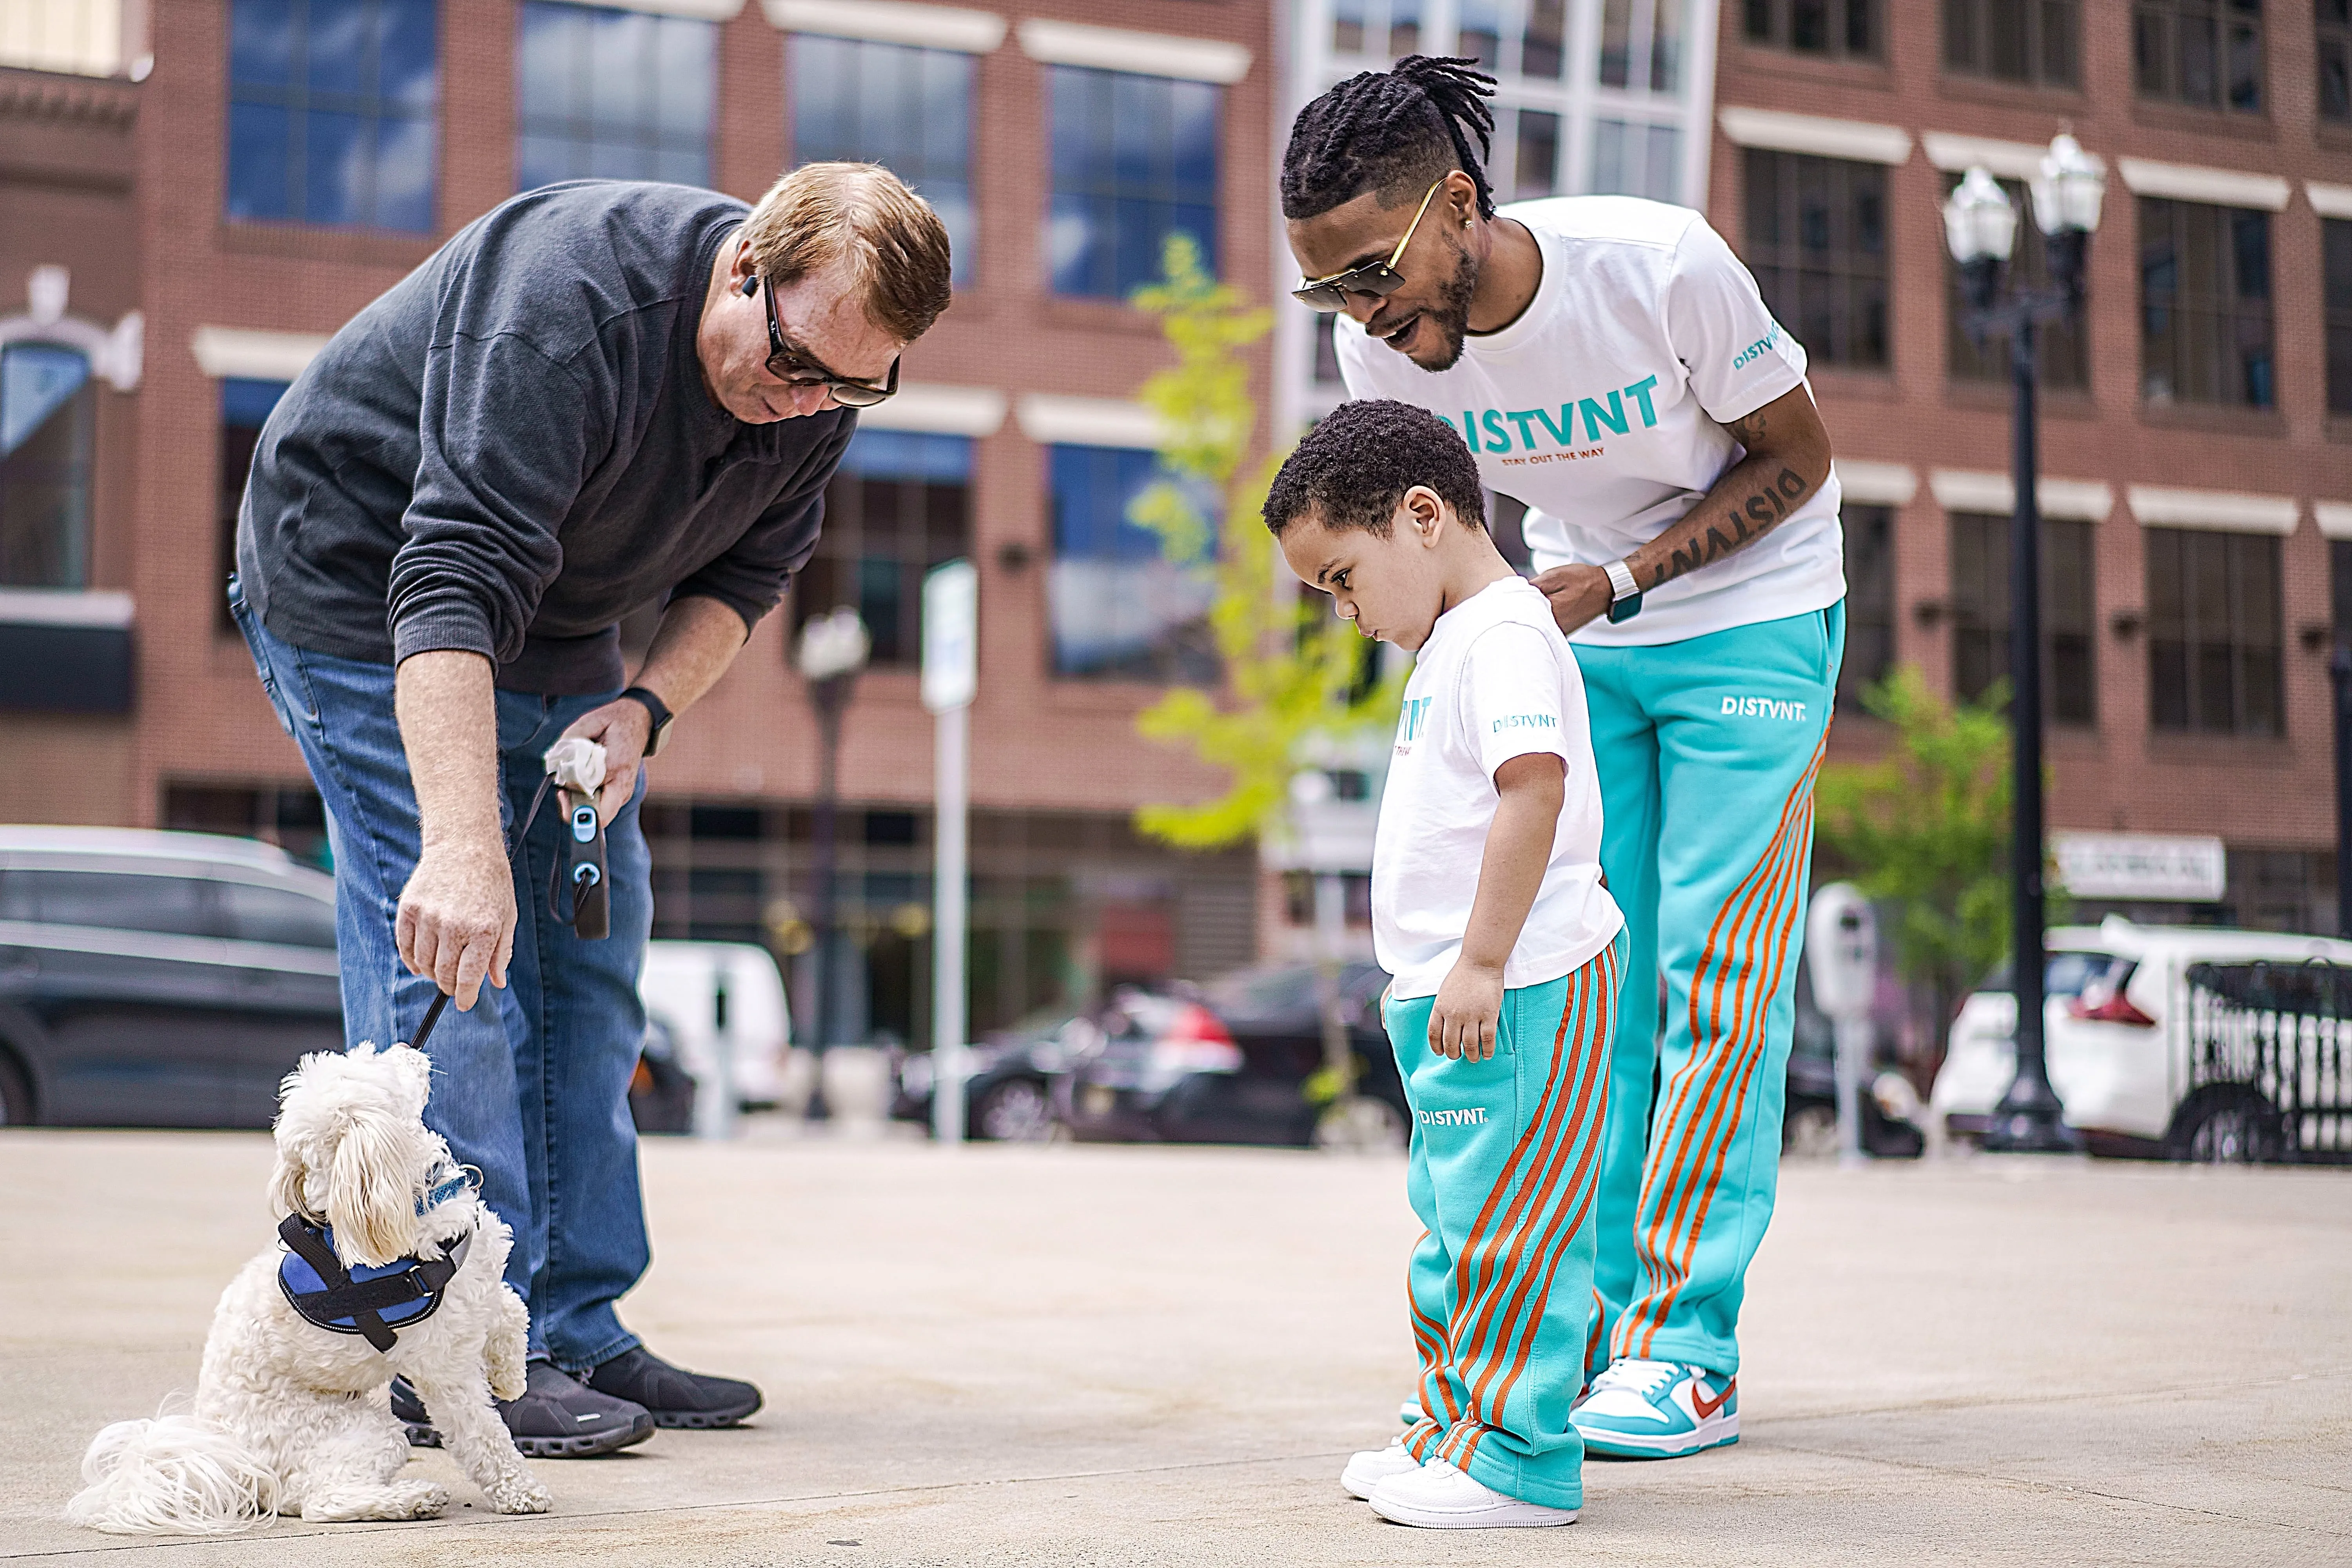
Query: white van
x=682 y=984
x=2113 y=991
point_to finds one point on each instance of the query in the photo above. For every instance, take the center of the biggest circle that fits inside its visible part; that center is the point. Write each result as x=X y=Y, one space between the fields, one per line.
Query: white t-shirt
x=1603 y=408
x=1494 y=680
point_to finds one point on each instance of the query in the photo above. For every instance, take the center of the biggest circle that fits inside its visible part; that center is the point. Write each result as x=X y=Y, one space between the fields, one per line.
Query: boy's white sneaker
x=1368 y=1469
x=1437 y=1496
x=1658 y=1410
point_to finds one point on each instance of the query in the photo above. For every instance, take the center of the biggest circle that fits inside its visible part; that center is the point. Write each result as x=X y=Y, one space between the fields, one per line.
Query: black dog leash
x=584 y=861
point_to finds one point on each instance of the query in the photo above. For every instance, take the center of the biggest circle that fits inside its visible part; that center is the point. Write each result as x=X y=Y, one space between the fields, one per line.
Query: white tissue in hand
x=578 y=764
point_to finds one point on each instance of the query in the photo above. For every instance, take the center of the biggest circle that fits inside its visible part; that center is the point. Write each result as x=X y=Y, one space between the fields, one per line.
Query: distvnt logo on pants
x=1762 y=708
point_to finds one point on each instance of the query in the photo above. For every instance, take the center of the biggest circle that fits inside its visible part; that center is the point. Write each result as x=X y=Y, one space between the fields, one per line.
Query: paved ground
x=1065 y=1356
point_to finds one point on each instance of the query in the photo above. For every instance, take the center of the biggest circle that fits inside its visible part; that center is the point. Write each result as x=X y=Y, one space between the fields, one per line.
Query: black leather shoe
x=557 y=1418
x=677 y=1397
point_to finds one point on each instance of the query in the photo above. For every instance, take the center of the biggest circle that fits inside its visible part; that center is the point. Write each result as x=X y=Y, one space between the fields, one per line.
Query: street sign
x=950 y=636
x=2180 y=867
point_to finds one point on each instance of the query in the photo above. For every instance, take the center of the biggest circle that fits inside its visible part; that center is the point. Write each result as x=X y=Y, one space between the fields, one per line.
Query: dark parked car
x=661 y=1091
x=1230 y=1062
x=1007 y=1088
x=157 y=979
x=1810 y=1125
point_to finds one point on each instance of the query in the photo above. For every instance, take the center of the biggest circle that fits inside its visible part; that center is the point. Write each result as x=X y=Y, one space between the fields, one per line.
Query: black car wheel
x=16 y=1096
x=2226 y=1125
x=1014 y=1111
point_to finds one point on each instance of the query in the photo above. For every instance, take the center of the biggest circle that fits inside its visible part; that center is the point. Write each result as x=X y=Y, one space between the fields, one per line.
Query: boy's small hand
x=1461 y=1024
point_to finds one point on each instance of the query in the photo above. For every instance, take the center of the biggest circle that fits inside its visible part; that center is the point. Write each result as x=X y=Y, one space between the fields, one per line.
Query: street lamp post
x=1981 y=226
x=834 y=648
x=2339 y=674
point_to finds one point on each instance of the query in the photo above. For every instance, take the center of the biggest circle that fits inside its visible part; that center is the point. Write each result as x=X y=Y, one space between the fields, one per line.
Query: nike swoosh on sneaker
x=1702 y=1405
x=598 y=1415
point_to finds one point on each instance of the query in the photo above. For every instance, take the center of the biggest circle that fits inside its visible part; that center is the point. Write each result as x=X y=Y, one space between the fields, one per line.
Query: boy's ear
x=1422 y=510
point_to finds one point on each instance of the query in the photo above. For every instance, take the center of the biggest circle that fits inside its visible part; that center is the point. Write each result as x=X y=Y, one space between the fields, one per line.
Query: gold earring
x=1465 y=223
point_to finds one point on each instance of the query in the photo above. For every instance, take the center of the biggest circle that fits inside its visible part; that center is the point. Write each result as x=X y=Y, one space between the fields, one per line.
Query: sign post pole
x=951 y=680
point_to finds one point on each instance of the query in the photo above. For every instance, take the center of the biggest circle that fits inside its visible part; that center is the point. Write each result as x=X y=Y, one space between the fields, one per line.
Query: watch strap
x=654 y=709
x=1620 y=580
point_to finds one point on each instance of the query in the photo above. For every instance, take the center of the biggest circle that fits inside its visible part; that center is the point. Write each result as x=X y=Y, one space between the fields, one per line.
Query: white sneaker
x=1370 y=1468
x=1436 y=1495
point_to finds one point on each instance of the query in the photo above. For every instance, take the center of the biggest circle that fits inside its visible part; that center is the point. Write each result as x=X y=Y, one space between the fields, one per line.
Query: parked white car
x=2121 y=1073
x=681 y=984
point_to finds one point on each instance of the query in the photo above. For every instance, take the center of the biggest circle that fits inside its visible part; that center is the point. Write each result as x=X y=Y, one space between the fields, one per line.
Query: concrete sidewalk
x=1063 y=1356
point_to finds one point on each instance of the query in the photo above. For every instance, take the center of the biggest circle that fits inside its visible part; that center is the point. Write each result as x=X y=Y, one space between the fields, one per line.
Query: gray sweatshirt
x=513 y=449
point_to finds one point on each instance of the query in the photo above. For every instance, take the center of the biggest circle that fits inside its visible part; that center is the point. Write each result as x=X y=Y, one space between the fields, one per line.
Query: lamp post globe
x=833 y=648
x=1979 y=224
x=2068 y=192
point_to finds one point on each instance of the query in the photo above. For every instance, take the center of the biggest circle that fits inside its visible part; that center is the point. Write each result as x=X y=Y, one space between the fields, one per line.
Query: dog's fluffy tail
x=173 y=1475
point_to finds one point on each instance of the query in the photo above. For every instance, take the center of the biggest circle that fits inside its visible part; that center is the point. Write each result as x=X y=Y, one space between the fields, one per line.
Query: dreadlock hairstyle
x=1393 y=131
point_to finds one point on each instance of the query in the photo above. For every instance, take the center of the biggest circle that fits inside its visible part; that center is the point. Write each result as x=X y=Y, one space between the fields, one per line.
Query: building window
x=2339 y=572
x=1630 y=158
x=1327 y=350
x=1980 y=611
x=1642 y=44
x=49 y=416
x=331 y=111
x=900 y=504
x=2213 y=640
x=1135 y=163
x=2335 y=266
x=2334 y=18
x=604 y=94
x=2205 y=304
x=907 y=109
x=1836 y=29
x=2060 y=354
x=1869 y=601
x=1122 y=608
x=2204 y=53
x=2035 y=42
x=245 y=408
x=1817 y=244
x=1535 y=164
x=1388 y=29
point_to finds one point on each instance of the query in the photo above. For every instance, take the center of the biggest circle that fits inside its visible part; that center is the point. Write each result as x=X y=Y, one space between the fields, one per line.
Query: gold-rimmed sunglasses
x=1378 y=278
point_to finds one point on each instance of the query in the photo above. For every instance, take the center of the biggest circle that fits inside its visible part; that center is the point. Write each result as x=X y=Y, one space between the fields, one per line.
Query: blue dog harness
x=370 y=1301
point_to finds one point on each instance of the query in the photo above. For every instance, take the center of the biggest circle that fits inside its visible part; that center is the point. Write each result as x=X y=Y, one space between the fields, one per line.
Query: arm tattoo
x=1736 y=527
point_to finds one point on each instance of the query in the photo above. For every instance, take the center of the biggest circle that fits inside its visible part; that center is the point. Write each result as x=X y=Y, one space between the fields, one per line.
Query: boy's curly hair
x=1358 y=462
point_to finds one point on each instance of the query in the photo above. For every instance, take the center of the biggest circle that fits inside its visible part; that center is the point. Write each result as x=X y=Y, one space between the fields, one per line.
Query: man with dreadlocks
x=1610 y=363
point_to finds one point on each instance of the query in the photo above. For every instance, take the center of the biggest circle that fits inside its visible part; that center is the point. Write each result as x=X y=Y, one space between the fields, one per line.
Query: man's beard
x=1450 y=317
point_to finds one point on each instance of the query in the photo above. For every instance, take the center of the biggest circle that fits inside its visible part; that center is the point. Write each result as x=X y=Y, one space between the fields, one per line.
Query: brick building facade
x=226 y=197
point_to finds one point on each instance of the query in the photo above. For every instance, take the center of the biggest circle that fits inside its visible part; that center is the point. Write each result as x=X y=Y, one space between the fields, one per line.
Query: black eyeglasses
x=1378 y=278
x=793 y=367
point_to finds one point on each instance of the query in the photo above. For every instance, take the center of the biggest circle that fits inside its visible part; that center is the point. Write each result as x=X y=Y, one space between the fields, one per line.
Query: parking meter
x=1842 y=958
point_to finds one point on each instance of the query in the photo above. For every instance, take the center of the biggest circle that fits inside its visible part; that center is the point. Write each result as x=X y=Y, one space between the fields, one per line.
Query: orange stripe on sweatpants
x=1592 y=1084
x=1737 y=1057
x=1746 y=912
x=1670 y=1243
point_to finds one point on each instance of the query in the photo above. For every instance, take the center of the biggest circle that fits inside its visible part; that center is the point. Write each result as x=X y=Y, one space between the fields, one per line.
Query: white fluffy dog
x=290 y=1417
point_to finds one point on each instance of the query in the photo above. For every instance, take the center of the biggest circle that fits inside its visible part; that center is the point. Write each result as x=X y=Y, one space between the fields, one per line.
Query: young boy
x=1505 y=949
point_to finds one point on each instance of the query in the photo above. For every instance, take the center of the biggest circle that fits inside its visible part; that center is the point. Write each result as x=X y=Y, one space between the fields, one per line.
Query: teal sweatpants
x=1505 y=1159
x=1707 y=749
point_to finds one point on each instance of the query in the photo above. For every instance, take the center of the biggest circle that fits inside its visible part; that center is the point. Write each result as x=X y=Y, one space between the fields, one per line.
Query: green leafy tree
x=1926 y=829
x=1291 y=669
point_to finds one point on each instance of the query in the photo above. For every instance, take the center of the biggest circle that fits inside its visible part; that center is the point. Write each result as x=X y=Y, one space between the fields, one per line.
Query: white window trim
x=2215 y=188
x=117 y=356
x=2334 y=517
x=244 y=351
x=939 y=410
x=2229 y=511
x=2009 y=160
x=966 y=32
x=1968 y=490
x=1858 y=140
x=1052 y=420
x=2329 y=201
x=1145 y=54
x=699 y=10
x=64 y=608
x=1876 y=484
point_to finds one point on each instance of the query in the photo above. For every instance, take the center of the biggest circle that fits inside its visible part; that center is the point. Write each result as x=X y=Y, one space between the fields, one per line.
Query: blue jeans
x=531 y=1084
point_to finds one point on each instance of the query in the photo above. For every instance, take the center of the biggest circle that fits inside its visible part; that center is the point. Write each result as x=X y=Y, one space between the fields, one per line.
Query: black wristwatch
x=659 y=709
